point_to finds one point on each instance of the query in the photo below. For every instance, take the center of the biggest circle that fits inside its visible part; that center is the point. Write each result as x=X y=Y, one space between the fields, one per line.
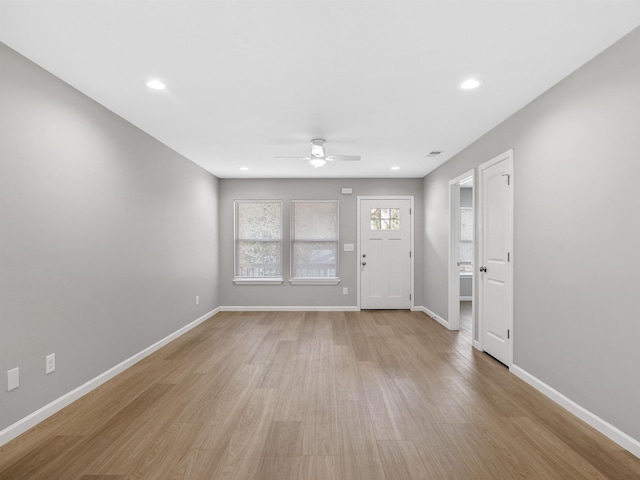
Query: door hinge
x=409 y=296
x=409 y=211
x=508 y=257
x=508 y=333
x=409 y=253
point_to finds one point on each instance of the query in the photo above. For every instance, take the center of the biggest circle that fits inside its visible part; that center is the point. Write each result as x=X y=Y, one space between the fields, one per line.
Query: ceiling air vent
x=433 y=153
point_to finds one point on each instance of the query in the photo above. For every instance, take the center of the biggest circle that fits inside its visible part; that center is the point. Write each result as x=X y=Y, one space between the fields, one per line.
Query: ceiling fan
x=319 y=157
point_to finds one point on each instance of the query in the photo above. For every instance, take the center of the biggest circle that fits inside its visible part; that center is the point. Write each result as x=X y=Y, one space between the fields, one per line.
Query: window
x=466 y=239
x=258 y=238
x=314 y=241
x=385 y=219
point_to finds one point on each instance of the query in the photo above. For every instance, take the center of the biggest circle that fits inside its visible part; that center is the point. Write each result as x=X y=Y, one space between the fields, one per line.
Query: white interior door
x=385 y=253
x=495 y=271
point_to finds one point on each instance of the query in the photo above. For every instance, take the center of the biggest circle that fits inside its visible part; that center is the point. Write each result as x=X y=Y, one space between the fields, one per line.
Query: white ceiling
x=251 y=80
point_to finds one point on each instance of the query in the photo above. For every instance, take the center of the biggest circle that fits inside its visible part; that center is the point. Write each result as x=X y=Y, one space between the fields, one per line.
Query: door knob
x=364 y=263
x=483 y=269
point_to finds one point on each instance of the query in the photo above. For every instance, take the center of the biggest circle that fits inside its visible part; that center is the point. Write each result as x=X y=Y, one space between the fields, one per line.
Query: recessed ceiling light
x=244 y=169
x=470 y=84
x=395 y=168
x=156 y=84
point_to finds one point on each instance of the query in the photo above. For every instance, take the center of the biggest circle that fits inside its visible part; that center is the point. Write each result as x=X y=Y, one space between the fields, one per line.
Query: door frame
x=508 y=156
x=412 y=215
x=454 y=253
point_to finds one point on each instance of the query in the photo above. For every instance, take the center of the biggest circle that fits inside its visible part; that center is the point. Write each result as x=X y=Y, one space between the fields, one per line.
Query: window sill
x=257 y=281
x=314 y=281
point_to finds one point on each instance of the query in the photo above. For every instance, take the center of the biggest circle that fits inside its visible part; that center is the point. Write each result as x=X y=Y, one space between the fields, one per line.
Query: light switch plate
x=13 y=379
x=348 y=247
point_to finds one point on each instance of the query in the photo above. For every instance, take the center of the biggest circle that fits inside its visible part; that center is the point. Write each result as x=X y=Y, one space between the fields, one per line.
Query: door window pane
x=385 y=219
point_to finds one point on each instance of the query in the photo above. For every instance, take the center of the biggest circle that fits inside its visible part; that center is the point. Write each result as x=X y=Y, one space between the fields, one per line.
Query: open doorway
x=461 y=255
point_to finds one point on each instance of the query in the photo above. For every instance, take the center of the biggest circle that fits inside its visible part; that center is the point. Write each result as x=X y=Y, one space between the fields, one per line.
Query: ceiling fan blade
x=294 y=158
x=343 y=158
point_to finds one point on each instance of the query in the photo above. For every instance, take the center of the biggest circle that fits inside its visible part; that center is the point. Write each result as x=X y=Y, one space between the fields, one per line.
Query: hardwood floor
x=466 y=319
x=372 y=395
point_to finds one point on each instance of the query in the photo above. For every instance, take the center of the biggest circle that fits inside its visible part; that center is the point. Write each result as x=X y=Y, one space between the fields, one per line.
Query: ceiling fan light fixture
x=318 y=162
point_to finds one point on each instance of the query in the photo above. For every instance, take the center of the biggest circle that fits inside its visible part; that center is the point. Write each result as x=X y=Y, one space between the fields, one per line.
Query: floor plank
x=317 y=467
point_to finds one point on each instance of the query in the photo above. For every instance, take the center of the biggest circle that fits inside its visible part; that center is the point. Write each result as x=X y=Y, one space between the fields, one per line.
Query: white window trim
x=258 y=280
x=313 y=280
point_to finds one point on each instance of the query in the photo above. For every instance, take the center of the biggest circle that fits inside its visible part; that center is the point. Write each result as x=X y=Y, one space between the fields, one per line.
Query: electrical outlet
x=197 y=299
x=50 y=363
x=13 y=379
x=345 y=290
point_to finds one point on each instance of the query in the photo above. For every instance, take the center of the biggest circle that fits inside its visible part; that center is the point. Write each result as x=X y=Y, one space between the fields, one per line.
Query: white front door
x=385 y=253
x=496 y=252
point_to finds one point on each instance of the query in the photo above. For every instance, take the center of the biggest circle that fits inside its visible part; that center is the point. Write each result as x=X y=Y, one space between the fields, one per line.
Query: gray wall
x=302 y=189
x=466 y=286
x=106 y=237
x=577 y=231
x=466 y=197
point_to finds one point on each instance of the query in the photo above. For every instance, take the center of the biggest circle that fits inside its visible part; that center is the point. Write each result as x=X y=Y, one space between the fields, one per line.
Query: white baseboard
x=436 y=317
x=625 y=441
x=31 y=420
x=244 y=308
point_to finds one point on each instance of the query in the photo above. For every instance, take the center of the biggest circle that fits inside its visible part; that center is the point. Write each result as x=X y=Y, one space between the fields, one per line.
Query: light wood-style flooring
x=466 y=319
x=366 y=395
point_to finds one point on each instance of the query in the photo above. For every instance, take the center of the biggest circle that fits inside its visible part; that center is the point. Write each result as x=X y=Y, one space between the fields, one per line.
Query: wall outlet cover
x=50 y=363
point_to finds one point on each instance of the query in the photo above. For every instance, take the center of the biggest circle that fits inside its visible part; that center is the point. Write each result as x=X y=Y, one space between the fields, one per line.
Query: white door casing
x=495 y=265
x=385 y=252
